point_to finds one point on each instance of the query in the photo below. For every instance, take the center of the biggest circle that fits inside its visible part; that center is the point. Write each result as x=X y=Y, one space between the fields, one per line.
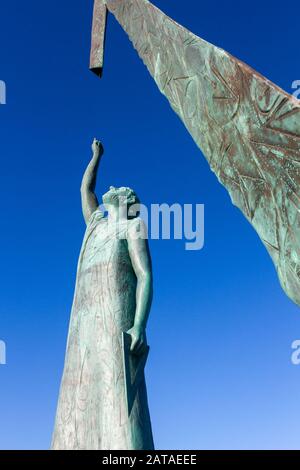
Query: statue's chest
x=106 y=243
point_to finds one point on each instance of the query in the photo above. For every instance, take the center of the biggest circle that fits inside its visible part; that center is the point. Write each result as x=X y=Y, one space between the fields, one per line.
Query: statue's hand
x=97 y=148
x=138 y=340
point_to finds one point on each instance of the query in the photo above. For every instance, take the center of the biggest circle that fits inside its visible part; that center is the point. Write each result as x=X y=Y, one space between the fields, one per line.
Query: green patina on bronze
x=103 y=398
x=247 y=127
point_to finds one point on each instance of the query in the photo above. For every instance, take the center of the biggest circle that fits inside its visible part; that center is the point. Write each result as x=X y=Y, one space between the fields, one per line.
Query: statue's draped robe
x=92 y=409
x=245 y=125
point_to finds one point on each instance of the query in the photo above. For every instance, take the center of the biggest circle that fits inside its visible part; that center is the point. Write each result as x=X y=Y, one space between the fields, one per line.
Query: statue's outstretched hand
x=138 y=340
x=97 y=148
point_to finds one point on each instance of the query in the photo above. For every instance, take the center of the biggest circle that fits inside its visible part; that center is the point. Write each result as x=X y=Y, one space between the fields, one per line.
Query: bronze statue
x=103 y=399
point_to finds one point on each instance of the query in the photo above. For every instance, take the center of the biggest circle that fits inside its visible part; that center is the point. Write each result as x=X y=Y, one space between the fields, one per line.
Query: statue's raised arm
x=89 y=199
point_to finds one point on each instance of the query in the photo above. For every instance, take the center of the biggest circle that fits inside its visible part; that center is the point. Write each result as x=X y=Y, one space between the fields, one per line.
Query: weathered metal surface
x=98 y=37
x=247 y=127
x=92 y=411
x=112 y=298
x=133 y=366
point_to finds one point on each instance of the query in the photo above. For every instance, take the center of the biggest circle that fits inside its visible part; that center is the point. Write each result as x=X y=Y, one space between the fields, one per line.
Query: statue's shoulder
x=97 y=216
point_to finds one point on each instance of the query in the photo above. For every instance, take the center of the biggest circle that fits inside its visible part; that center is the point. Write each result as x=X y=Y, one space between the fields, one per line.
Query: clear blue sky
x=219 y=374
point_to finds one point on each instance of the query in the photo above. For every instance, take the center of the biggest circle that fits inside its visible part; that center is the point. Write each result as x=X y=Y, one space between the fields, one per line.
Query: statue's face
x=115 y=196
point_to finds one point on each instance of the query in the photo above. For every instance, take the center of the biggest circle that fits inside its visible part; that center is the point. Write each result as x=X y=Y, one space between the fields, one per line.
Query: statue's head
x=120 y=197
